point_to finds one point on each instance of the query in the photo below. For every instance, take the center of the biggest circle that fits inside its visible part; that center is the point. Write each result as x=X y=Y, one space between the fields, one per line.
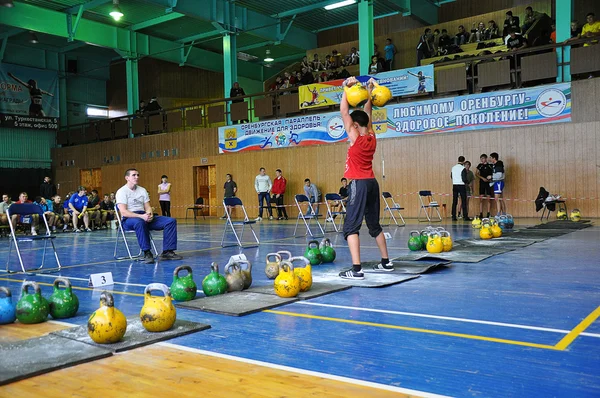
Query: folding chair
x=394 y=207
x=429 y=207
x=334 y=197
x=299 y=199
x=121 y=234
x=230 y=204
x=547 y=203
x=25 y=209
x=199 y=205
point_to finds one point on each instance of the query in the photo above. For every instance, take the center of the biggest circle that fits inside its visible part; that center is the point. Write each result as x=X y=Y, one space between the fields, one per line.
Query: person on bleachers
x=142 y=107
x=511 y=23
x=305 y=63
x=530 y=18
x=307 y=77
x=390 y=53
x=317 y=65
x=461 y=37
x=335 y=59
x=575 y=29
x=477 y=34
x=3 y=206
x=375 y=66
x=46 y=206
x=298 y=79
x=590 y=29
x=492 y=31
x=423 y=48
x=435 y=43
x=444 y=42
x=78 y=204
x=516 y=42
x=352 y=58
x=153 y=106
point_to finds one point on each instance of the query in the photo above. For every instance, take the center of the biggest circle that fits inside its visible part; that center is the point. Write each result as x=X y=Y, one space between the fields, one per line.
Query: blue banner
x=498 y=109
x=28 y=91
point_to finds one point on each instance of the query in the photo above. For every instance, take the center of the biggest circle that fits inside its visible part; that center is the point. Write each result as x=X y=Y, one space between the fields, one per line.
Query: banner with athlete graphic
x=400 y=82
x=498 y=109
x=28 y=97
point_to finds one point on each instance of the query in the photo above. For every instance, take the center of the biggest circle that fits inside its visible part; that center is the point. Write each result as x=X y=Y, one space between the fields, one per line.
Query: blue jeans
x=266 y=197
x=316 y=208
x=142 y=228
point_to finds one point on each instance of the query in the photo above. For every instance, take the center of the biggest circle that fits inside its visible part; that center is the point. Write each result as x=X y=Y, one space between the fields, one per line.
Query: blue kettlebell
x=7 y=308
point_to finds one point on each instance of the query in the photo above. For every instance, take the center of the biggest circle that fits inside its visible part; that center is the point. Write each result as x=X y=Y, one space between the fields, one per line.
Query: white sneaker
x=258 y=219
x=270 y=217
x=33 y=232
x=329 y=219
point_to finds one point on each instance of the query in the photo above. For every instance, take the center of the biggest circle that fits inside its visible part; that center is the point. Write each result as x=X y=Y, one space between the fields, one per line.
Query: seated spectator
x=48 y=209
x=78 y=204
x=352 y=58
x=305 y=63
x=35 y=218
x=317 y=65
x=324 y=76
x=336 y=59
x=591 y=28
x=575 y=29
x=112 y=197
x=94 y=208
x=298 y=79
x=107 y=208
x=142 y=107
x=423 y=49
x=61 y=215
x=511 y=23
x=461 y=37
x=153 y=106
x=444 y=42
x=492 y=31
x=307 y=77
x=3 y=206
x=343 y=192
x=515 y=41
x=277 y=84
x=313 y=195
x=375 y=66
x=530 y=18
x=478 y=34
x=286 y=84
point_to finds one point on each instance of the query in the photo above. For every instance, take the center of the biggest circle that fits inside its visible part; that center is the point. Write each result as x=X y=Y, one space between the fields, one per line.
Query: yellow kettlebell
x=158 y=313
x=486 y=229
x=304 y=273
x=446 y=241
x=107 y=324
x=496 y=230
x=434 y=243
x=357 y=95
x=476 y=223
x=380 y=95
x=287 y=283
x=272 y=268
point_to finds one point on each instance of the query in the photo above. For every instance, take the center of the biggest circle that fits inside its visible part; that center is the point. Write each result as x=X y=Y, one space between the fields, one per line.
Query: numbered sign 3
x=100 y=280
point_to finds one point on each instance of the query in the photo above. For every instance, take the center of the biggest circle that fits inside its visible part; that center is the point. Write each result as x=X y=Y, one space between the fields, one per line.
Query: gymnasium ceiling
x=286 y=27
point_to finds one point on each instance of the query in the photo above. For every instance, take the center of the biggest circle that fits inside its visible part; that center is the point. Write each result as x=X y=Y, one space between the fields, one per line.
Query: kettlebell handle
x=64 y=281
x=157 y=286
x=182 y=268
x=325 y=242
x=313 y=242
x=6 y=291
x=214 y=267
x=35 y=286
x=415 y=232
x=107 y=300
x=288 y=253
x=275 y=255
x=287 y=264
x=299 y=258
x=235 y=266
x=248 y=265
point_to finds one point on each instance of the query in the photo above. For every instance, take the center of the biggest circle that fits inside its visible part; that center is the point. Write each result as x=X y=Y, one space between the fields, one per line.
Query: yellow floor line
x=419 y=330
x=577 y=330
x=75 y=287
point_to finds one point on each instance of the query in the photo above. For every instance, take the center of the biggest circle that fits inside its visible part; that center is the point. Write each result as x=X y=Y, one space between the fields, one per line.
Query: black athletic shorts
x=363 y=201
x=485 y=189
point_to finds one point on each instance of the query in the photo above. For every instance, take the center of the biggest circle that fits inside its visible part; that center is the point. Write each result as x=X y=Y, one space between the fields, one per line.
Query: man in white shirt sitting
x=134 y=205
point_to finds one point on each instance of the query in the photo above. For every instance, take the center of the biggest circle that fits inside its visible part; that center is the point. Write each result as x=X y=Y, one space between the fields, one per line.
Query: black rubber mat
x=408 y=266
x=503 y=242
x=378 y=279
x=27 y=358
x=135 y=336
x=318 y=289
x=563 y=224
x=236 y=303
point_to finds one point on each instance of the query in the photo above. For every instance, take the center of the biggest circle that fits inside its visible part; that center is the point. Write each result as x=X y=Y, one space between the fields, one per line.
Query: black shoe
x=480 y=216
x=285 y=218
x=488 y=215
x=170 y=255
x=454 y=219
x=467 y=219
x=389 y=267
x=148 y=257
x=350 y=274
x=280 y=218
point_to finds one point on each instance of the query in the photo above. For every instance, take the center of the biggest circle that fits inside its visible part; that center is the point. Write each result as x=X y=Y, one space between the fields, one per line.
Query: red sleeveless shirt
x=359 y=162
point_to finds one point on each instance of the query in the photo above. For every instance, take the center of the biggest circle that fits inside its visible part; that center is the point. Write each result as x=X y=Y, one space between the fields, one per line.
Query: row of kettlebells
x=290 y=279
x=32 y=307
x=504 y=221
x=489 y=229
x=434 y=240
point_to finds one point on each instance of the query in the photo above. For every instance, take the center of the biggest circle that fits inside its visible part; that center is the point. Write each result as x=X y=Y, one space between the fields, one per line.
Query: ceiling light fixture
x=33 y=38
x=268 y=57
x=340 y=4
x=116 y=11
x=7 y=3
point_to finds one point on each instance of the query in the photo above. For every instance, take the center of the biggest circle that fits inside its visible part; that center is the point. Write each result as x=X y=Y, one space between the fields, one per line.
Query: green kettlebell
x=312 y=253
x=327 y=251
x=424 y=239
x=414 y=242
x=183 y=288
x=63 y=303
x=32 y=308
x=214 y=283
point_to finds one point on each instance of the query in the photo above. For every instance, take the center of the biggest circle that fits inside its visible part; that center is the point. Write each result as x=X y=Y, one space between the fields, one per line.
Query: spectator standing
x=390 y=53
x=496 y=181
x=312 y=193
x=78 y=204
x=35 y=218
x=483 y=171
x=236 y=91
x=142 y=107
x=530 y=18
x=134 y=205
x=229 y=190
x=263 y=185
x=575 y=29
x=375 y=66
x=164 y=196
x=153 y=106
x=47 y=189
x=461 y=37
x=510 y=23
x=107 y=208
x=459 y=182
x=423 y=49
x=469 y=185
x=591 y=28
x=279 y=185
x=61 y=215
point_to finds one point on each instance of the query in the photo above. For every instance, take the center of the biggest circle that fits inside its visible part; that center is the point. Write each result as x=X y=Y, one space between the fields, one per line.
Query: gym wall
x=561 y=157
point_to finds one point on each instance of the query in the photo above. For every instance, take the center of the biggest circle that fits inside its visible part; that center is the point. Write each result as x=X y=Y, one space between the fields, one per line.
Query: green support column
x=133 y=92
x=229 y=65
x=563 y=32
x=62 y=90
x=366 y=38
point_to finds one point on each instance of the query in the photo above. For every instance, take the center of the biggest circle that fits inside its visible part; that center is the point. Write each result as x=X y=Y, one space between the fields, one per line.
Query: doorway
x=91 y=179
x=205 y=187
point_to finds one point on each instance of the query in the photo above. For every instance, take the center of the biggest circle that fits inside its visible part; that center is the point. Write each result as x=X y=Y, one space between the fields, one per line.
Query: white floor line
x=305 y=372
x=84 y=279
x=447 y=318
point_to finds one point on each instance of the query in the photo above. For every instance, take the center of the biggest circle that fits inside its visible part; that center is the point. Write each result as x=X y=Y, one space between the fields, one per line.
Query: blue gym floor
x=488 y=329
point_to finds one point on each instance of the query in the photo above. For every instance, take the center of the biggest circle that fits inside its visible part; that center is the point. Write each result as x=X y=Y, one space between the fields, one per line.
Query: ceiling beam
x=355 y=22
x=133 y=44
x=302 y=10
x=86 y=6
x=155 y=21
x=200 y=36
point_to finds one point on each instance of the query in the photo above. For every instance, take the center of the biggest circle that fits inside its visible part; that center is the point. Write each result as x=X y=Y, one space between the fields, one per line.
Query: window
x=93 y=111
